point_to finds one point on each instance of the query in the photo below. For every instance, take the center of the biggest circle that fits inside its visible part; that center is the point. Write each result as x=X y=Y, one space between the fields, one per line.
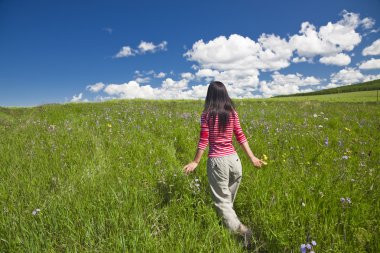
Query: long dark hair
x=218 y=103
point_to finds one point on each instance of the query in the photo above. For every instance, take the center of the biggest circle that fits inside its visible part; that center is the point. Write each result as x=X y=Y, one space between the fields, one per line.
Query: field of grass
x=107 y=177
x=359 y=96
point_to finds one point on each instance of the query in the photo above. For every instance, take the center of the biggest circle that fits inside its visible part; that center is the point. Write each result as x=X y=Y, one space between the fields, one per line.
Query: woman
x=219 y=121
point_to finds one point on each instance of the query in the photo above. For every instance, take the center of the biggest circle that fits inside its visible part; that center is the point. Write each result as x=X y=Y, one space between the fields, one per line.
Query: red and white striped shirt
x=220 y=142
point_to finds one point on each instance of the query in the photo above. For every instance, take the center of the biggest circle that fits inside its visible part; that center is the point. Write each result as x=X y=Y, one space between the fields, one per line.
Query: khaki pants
x=224 y=176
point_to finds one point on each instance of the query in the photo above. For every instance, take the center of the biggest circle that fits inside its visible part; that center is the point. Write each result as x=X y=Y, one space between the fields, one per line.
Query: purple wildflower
x=308 y=246
x=327 y=141
x=345 y=157
x=348 y=200
x=342 y=200
x=303 y=248
x=314 y=243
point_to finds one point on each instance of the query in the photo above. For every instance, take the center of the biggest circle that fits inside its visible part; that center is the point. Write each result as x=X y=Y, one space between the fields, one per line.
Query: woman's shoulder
x=234 y=112
x=204 y=114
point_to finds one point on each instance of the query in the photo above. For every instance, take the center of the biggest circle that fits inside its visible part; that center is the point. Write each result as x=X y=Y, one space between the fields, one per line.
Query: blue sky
x=62 y=51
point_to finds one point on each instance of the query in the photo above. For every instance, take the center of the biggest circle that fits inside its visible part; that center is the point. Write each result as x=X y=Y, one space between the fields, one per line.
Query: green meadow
x=107 y=177
x=358 y=96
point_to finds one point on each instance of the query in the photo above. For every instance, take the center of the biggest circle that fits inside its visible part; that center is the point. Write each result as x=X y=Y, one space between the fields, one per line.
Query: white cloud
x=207 y=73
x=346 y=76
x=150 y=47
x=170 y=84
x=169 y=89
x=187 y=75
x=370 y=64
x=239 y=60
x=367 y=23
x=143 y=79
x=125 y=52
x=340 y=59
x=287 y=84
x=330 y=39
x=131 y=89
x=224 y=53
x=78 y=98
x=143 y=48
x=301 y=59
x=95 y=87
x=373 y=49
x=241 y=53
x=275 y=52
x=160 y=75
x=371 y=77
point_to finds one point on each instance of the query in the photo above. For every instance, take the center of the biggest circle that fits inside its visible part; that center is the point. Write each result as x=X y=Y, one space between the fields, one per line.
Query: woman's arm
x=191 y=166
x=255 y=161
x=202 y=144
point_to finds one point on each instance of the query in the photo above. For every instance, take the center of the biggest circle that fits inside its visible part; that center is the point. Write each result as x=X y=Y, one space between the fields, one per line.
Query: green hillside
x=367 y=86
x=107 y=177
x=358 y=96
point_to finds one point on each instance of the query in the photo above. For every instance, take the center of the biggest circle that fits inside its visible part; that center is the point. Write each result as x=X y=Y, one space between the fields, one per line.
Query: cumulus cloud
x=373 y=49
x=240 y=53
x=143 y=79
x=367 y=23
x=370 y=64
x=146 y=76
x=170 y=84
x=287 y=84
x=330 y=39
x=150 y=47
x=344 y=77
x=78 y=98
x=368 y=78
x=160 y=75
x=348 y=76
x=340 y=59
x=301 y=59
x=187 y=75
x=169 y=89
x=125 y=52
x=131 y=89
x=238 y=60
x=95 y=87
x=144 y=47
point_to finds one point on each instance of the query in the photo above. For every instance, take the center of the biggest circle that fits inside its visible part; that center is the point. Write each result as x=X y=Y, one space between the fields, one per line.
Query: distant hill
x=367 y=86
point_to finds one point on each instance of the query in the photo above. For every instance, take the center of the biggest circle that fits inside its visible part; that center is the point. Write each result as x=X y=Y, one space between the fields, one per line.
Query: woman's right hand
x=190 y=167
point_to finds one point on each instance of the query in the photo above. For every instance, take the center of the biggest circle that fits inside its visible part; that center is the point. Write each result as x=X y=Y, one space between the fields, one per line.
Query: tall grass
x=107 y=177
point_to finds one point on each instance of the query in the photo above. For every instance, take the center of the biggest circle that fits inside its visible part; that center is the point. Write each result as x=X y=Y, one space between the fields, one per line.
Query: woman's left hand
x=190 y=167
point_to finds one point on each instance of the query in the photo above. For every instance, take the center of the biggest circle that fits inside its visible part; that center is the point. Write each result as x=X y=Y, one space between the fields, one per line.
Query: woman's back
x=220 y=142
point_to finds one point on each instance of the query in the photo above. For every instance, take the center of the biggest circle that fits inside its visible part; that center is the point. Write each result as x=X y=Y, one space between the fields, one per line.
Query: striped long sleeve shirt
x=220 y=142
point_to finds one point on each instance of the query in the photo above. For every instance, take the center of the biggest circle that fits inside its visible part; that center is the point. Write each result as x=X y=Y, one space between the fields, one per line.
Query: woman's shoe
x=247 y=236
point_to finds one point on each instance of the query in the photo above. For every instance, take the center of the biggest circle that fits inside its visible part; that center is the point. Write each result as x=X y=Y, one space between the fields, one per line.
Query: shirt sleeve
x=203 y=138
x=240 y=137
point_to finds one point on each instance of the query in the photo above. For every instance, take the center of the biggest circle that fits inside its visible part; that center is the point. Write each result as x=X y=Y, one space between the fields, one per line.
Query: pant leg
x=235 y=175
x=218 y=172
